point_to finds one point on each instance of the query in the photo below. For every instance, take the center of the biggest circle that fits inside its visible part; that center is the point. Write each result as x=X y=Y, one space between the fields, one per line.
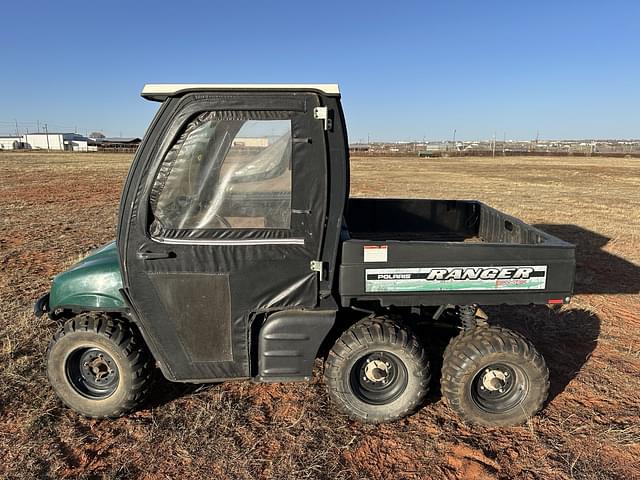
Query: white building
x=10 y=142
x=56 y=141
x=44 y=141
x=71 y=142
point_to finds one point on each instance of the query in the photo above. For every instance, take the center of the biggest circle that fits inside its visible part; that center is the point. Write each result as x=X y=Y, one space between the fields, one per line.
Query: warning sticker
x=455 y=278
x=375 y=253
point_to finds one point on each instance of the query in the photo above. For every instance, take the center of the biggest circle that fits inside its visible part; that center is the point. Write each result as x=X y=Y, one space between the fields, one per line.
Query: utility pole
x=17 y=134
x=454 y=141
x=46 y=132
x=38 y=123
x=493 y=148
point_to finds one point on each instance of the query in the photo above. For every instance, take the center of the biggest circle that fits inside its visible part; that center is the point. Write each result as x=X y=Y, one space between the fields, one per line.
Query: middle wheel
x=377 y=371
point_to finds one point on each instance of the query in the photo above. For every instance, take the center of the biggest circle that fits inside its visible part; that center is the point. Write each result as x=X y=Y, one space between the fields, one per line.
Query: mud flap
x=289 y=342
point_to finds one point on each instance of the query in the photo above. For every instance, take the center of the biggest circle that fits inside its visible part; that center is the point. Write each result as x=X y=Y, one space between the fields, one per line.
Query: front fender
x=91 y=301
x=92 y=284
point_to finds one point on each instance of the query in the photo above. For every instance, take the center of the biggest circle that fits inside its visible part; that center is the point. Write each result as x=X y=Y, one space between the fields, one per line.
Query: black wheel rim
x=378 y=378
x=499 y=387
x=92 y=373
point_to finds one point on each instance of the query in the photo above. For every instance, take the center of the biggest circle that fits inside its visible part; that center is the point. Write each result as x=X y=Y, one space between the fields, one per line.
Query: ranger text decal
x=455 y=278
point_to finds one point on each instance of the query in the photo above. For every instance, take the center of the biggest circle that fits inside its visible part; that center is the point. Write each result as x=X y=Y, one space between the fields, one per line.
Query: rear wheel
x=494 y=376
x=377 y=371
x=98 y=366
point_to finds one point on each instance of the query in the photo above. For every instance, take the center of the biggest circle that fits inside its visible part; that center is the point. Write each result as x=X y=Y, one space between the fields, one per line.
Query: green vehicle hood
x=94 y=283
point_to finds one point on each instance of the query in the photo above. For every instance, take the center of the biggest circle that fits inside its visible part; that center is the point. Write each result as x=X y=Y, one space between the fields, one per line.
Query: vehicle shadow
x=597 y=271
x=566 y=337
x=163 y=391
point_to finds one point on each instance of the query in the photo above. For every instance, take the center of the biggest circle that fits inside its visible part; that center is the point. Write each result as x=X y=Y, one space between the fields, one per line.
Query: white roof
x=152 y=90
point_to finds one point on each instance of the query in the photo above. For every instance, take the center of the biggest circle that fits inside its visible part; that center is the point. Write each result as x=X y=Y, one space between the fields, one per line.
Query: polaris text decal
x=455 y=278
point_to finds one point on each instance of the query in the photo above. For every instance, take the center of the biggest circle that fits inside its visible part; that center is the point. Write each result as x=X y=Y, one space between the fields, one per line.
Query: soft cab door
x=224 y=213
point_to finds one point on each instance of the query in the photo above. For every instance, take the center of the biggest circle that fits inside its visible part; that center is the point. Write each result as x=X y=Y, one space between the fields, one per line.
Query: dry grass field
x=54 y=208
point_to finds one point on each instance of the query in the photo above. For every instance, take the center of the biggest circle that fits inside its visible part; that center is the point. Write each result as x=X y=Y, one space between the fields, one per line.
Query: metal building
x=71 y=142
x=10 y=142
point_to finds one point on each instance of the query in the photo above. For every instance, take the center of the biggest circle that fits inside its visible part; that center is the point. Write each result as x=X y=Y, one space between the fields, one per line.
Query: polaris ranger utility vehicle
x=240 y=255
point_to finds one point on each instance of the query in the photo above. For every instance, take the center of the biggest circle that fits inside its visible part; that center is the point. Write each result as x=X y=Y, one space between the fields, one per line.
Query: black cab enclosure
x=226 y=207
x=241 y=255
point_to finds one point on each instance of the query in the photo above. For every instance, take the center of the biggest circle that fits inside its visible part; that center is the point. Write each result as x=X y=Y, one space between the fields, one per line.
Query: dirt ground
x=54 y=208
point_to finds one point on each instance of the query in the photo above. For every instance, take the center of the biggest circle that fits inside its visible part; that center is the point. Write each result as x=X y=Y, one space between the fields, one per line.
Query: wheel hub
x=92 y=372
x=499 y=387
x=378 y=378
x=494 y=379
x=377 y=370
x=98 y=367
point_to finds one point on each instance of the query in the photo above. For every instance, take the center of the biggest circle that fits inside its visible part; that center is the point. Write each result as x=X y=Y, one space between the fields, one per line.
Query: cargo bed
x=433 y=252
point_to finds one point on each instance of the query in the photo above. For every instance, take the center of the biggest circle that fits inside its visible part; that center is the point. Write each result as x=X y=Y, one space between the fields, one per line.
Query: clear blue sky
x=408 y=70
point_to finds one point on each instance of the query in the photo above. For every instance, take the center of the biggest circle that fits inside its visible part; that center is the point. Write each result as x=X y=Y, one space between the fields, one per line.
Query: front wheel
x=98 y=366
x=377 y=371
x=493 y=376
